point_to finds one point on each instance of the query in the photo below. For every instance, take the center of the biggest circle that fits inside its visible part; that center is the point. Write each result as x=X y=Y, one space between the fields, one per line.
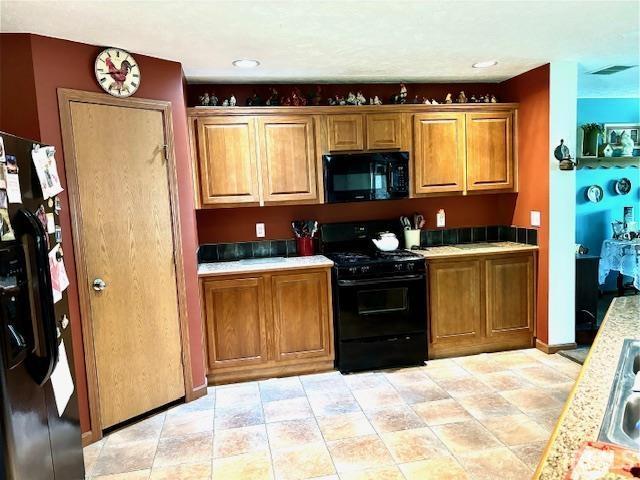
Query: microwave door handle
x=40 y=367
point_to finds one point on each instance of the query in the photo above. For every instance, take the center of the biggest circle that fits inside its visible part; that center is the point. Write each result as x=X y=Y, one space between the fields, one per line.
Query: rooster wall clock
x=117 y=72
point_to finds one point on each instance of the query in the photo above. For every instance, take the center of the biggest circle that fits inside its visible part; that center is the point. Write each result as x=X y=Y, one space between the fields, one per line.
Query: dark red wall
x=531 y=89
x=18 y=109
x=64 y=64
x=382 y=90
x=238 y=224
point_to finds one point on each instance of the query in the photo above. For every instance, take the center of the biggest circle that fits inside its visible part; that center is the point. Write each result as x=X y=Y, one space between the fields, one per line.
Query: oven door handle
x=379 y=281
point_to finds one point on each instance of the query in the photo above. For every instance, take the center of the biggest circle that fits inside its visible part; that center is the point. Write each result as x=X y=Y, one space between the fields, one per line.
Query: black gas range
x=380 y=307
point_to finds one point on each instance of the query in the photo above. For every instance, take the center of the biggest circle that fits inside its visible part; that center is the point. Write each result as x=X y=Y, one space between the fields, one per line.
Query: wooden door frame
x=65 y=98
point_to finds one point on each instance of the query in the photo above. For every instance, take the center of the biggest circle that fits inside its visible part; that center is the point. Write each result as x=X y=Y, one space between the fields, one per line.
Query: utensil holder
x=304 y=245
x=411 y=239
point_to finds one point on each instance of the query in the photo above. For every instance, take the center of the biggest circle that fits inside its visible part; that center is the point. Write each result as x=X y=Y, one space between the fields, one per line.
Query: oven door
x=380 y=307
x=362 y=177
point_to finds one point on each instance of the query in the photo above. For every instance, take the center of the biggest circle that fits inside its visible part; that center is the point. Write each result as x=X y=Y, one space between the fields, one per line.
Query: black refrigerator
x=39 y=427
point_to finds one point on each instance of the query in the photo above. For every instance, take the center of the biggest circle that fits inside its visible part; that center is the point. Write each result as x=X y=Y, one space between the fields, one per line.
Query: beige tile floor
x=481 y=417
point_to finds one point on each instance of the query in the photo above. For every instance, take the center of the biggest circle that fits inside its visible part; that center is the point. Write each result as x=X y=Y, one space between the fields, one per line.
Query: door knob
x=99 y=285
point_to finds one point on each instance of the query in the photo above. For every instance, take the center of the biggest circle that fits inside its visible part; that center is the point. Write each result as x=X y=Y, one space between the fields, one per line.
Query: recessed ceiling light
x=486 y=64
x=245 y=63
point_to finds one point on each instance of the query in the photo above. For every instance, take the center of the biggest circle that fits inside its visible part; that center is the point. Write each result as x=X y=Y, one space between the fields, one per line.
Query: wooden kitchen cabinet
x=300 y=315
x=439 y=152
x=455 y=303
x=262 y=325
x=481 y=303
x=287 y=158
x=345 y=132
x=227 y=160
x=236 y=322
x=489 y=145
x=384 y=131
x=510 y=295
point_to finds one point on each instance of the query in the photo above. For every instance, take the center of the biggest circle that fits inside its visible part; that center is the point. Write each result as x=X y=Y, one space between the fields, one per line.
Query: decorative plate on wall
x=595 y=193
x=623 y=186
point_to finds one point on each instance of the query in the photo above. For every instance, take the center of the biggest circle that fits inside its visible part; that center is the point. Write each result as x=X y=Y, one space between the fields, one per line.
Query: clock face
x=117 y=72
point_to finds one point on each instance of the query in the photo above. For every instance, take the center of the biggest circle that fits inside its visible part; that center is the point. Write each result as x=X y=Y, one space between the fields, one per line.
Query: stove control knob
x=352 y=270
x=411 y=266
x=365 y=269
x=397 y=267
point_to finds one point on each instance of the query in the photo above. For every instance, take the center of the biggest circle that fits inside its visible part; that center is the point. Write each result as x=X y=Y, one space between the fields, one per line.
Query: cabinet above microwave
x=255 y=156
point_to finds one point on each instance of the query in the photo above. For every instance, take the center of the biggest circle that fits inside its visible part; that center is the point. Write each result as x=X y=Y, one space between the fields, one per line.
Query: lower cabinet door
x=235 y=311
x=455 y=304
x=302 y=322
x=510 y=295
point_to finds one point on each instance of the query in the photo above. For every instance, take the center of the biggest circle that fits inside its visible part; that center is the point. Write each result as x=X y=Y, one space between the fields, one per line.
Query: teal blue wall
x=593 y=220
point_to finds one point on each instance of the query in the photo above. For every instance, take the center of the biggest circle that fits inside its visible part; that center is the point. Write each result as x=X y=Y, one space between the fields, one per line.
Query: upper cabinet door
x=288 y=158
x=227 y=160
x=490 y=164
x=384 y=131
x=438 y=152
x=345 y=132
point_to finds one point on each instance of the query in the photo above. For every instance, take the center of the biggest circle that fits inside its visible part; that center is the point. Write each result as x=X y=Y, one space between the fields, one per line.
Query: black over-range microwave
x=357 y=177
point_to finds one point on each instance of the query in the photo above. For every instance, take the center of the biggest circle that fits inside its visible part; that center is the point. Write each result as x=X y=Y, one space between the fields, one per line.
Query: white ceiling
x=350 y=41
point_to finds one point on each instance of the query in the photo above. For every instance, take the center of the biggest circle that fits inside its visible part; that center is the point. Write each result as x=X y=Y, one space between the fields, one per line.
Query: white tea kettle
x=387 y=241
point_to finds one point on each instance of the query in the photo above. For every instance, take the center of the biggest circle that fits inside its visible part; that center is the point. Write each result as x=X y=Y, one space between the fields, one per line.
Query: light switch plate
x=260 y=230
x=440 y=219
x=535 y=218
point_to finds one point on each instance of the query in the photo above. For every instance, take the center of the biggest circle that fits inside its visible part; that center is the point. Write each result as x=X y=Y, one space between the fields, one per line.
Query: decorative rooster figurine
x=119 y=75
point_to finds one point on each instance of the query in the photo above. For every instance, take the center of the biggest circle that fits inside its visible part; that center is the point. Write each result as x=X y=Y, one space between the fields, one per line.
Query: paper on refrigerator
x=61 y=380
x=59 y=279
x=45 y=162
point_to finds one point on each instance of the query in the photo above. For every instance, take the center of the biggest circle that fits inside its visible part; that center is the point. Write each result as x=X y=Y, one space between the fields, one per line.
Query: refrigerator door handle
x=40 y=367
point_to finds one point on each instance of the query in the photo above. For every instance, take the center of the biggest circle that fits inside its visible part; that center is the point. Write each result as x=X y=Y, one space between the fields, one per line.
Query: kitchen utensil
x=387 y=241
x=418 y=221
x=406 y=224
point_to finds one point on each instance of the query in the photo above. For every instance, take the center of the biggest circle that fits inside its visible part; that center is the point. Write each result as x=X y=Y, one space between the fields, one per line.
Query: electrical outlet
x=440 y=218
x=260 y=230
x=535 y=218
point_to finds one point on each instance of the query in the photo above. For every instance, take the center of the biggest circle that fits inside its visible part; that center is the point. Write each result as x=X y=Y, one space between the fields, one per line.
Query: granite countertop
x=467 y=249
x=584 y=411
x=257 y=265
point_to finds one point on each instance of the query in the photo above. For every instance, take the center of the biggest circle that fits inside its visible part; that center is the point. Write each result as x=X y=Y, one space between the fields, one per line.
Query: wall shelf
x=593 y=163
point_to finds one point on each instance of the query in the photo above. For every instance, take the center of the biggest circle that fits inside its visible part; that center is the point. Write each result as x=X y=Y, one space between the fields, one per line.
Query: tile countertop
x=253 y=265
x=584 y=411
x=485 y=248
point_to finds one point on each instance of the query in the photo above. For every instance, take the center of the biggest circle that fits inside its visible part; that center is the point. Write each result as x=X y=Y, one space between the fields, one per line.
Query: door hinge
x=165 y=148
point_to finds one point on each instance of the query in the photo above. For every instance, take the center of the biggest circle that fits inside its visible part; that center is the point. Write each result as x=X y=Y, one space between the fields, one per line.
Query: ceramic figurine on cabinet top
x=462 y=98
x=204 y=99
x=351 y=99
x=494 y=99
x=360 y=99
x=426 y=101
x=297 y=100
x=487 y=99
x=448 y=98
x=273 y=100
x=285 y=101
x=627 y=144
x=473 y=99
x=225 y=103
x=400 y=98
x=377 y=101
x=254 y=100
x=213 y=100
x=316 y=99
x=232 y=101
x=434 y=102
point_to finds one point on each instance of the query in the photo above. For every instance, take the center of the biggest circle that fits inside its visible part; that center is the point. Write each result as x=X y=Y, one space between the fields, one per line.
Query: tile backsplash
x=222 y=252
x=491 y=233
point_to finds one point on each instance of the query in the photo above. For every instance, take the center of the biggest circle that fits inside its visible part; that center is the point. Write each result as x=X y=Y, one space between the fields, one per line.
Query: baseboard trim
x=197 y=392
x=540 y=345
x=88 y=438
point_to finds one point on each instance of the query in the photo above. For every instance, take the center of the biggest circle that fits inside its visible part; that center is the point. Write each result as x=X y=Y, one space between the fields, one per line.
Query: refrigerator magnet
x=51 y=223
x=58 y=234
x=57 y=205
x=12 y=180
x=2 y=153
x=4 y=201
x=6 y=232
x=45 y=162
